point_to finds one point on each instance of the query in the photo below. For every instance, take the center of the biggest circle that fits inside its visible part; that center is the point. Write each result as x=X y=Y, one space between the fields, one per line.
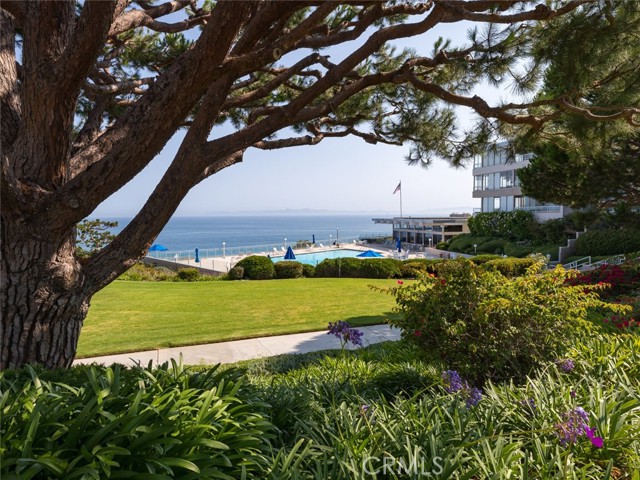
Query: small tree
x=94 y=235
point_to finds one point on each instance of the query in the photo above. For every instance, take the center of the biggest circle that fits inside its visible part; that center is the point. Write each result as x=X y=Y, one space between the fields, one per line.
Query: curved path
x=234 y=351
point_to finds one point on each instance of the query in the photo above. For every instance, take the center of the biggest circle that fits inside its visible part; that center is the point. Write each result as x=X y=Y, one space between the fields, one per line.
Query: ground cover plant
x=162 y=314
x=382 y=412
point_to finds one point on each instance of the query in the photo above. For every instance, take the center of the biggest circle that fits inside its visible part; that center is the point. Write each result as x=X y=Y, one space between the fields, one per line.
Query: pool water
x=317 y=257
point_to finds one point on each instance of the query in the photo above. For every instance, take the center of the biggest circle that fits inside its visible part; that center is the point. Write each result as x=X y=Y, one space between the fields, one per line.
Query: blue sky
x=337 y=175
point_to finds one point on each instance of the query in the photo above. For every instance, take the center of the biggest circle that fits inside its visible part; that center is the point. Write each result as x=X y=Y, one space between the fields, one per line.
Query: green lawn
x=132 y=316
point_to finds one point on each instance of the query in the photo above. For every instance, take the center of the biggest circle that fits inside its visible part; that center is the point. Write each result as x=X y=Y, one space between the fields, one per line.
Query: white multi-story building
x=495 y=183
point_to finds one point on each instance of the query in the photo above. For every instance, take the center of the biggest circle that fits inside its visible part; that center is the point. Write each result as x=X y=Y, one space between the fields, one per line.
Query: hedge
x=359 y=268
x=608 y=242
x=510 y=267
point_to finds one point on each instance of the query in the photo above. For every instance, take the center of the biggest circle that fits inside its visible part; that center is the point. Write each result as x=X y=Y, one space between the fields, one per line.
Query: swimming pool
x=317 y=257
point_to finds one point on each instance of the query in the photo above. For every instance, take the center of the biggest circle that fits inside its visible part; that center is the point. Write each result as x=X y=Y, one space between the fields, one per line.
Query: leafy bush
x=188 y=274
x=308 y=271
x=608 y=242
x=496 y=246
x=491 y=327
x=257 y=267
x=484 y=258
x=140 y=271
x=510 y=267
x=514 y=225
x=413 y=268
x=552 y=232
x=145 y=423
x=236 y=273
x=359 y=268
x=287 y=269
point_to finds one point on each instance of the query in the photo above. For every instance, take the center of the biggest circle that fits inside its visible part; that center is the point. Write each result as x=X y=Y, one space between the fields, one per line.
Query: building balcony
x=498 y=192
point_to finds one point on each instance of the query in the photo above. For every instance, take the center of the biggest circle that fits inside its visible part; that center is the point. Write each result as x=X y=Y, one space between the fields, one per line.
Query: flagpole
x=401 y=199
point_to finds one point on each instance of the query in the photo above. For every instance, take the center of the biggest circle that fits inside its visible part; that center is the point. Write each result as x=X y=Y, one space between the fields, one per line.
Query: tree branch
x=118 y=87
x=84 y=46
x=147 y=18
x=627 y=113
x=16 y=8
x=469 y=11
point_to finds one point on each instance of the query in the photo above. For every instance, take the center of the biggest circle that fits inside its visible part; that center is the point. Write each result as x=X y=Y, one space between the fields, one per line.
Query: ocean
x=243 y=234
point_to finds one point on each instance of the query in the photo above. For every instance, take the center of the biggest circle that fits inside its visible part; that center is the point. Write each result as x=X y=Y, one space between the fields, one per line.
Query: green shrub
x=552 y=232
x=140 y=271
x=257 y=267
x=514 y=225
x=287 y=269
x=493 y=246
x=308 y=271
x=608 y=242
x=484 y=258
x=413 y=268
x=144 y=423
x=359 y=268
x=188 y=274
x=236 y=273
x=490 y=327
x=510 y=267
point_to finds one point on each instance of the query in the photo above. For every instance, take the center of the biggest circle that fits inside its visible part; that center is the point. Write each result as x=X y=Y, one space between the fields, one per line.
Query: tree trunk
x=42 y=300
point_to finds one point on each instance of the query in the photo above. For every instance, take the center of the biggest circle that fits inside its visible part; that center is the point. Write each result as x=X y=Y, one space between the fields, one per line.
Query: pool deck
x=221 y=265
x=224 y=264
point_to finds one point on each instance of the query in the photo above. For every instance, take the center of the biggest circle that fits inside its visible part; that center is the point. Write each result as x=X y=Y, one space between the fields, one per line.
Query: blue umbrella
x=289 y=255
x=314 y=239
x=197 y=258
x=399 y=245
x=369 y=254
x=158 y=248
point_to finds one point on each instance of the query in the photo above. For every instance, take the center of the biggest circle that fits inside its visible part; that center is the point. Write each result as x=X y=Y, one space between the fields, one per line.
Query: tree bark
x=43 y=302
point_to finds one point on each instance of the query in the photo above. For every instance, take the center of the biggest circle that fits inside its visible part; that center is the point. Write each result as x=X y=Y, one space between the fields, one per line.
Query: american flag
x=398 y=188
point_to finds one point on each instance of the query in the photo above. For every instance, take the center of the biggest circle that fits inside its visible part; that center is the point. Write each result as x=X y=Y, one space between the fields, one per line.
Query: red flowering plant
x=618 y=284
x=491 y=327
x=618 y=279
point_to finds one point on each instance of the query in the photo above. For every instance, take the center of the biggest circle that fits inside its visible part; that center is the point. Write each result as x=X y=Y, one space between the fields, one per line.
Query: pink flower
x=597 y=442
x=400 y=282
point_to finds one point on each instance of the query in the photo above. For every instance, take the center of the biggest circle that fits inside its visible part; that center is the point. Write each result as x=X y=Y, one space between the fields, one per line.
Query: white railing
x=578 y=264
x=272 y=249
x=586 y=262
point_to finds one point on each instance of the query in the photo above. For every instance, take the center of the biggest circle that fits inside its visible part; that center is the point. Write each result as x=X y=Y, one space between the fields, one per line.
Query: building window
x=506 y=179
x=496 y=204
x=477 y=182
x=477 y=161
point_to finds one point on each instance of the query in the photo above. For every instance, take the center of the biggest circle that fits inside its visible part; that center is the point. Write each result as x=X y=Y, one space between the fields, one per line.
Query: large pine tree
x=580 y=162
x=91 y=91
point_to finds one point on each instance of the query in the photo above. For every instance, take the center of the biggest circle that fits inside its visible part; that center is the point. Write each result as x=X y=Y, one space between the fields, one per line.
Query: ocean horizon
x=237 y=232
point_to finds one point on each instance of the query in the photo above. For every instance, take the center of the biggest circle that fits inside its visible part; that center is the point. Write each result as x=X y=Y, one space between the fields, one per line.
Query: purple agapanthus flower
x=574 y=425
x=565 y=364
x=474 y=395
x=452 y=381
x=455 y=384
x=345 y=333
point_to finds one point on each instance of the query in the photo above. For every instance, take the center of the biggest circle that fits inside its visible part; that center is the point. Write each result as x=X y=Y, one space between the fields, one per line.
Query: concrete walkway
x=229 y=352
